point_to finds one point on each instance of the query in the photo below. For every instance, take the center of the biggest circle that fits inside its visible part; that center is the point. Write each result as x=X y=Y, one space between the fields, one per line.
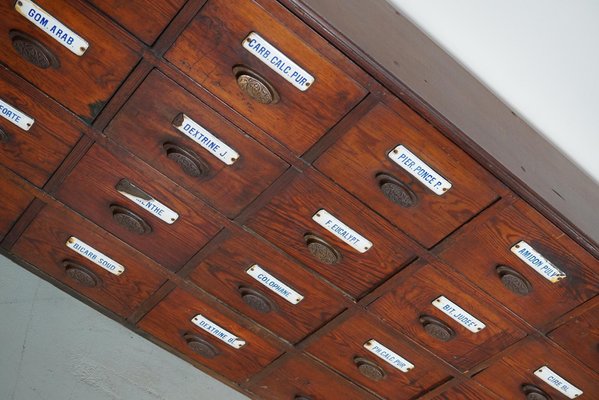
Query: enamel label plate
x=419 y=170
x=15 y=116
x=388 y=356
x=147 y=202
x=557 y=382
x=218 y=332
x=536 y=261
x=95 y=256
x=273 y=284
x=458 y=314
x=342 y=231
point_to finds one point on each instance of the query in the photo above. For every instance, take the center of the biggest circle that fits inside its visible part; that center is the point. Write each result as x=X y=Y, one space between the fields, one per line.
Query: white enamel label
x=419 y=170
x=15 y=116
x=54 y=28
x=95 y=256
x=152 y=206
x=278 y=61
x=342 y=231
x=537 y=262
x=207 y=140
x=272 y=283
x=458 y=314
x=388 y=356
x=218 y=332
x=557 y=382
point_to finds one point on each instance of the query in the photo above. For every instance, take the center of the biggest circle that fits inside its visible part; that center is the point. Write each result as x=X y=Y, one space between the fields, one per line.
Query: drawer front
x=32 y=151
x=316 y=382
x=261 y=282
x=368 y=163
x=171 y=322
x=288 y=222
x=91 y=189
x=580 y=336
x=344 y=350
x=82 y=83
x=469 y=390
x=146 y=19
x=464 y=328
x=484 y=254
x=86 y=258
x=211 y=52
x=513 y=376
x=16 y=196
x=146 y=126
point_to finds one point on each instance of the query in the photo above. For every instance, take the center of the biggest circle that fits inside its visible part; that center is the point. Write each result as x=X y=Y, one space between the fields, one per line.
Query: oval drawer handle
x=369 y=369
x=533 y=392
x=129 y=220
x=200 y=346
x=322 y=250
x=4 y=137
x=189 y=162
x=300 y=397
x=437 y=328
x=80 y=274
x=513 y=280
x=33 y=51
x=255 y=85
x=256 y=300
x=396 y=191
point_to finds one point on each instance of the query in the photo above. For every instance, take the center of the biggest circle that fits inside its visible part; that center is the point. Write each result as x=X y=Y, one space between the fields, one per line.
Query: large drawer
x=88 y=259
x=16 y=196
x=83 y=83
x=151 y=126
x=211 y=51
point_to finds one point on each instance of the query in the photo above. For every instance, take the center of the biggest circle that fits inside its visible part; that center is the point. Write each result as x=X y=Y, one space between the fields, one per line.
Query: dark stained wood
x=15 y=196
x=403 y=307
x=71 y=160
x=171 y=319
x=212 y=45
x=467 y=391
x=83 y=84
x=21 y=224
x=90 y=189
x=481 y=247
x=288 y=217
x=145 y=124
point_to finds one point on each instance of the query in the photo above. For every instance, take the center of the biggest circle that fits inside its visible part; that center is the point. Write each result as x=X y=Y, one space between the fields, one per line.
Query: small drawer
x=35 y=133
x=131 y=200
x=370 y=354
x=88 y=259
x=441 y=310
x=202 y=151
x=146 y=19
x=414 y=177
x=212 y=335
x=534 y=369
x=469 y=390
x=496 y=254
x=301 y=378
x=46 y=51
x=364 y=249
x=580 y=336
x=260 y=81
x=16 y=196
x=266 y=285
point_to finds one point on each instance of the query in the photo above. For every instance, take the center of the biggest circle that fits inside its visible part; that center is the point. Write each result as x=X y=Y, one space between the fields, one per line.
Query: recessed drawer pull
x=256 y=300
x=200 y=346
x=80 y=274
x=396 y=191
x=532 y=392
x=3 y=136
x=299 y=397
x=436 y=328
x=129 y=220
x=33 y=51
x=255 y=86
x=369 y=369
x=190 y=163
x=513 y=280
x=321 y=250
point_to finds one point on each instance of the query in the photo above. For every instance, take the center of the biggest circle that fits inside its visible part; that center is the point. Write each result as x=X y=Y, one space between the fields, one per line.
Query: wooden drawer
x=301 y=378
x=16 y=196
x=35 y=151
x=483 y=253
x=146 y=126
x=171 y=322
x=287 y=221
x=343 y=348
x=91 y=189
x=146 y=19
x=88 y=259
x=580 y=336
x=469 y=390
x=513 y=376
x=270 y=294
x=361 y=162
x=442 y=311
x=211 y=49
x=82 y=83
